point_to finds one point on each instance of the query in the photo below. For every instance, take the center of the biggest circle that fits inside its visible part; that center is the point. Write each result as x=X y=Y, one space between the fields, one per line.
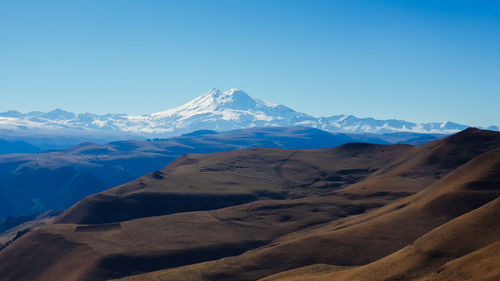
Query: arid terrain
x=354 y=212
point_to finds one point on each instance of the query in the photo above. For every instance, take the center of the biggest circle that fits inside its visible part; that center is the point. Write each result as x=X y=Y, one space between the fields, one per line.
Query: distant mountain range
x=214 y=110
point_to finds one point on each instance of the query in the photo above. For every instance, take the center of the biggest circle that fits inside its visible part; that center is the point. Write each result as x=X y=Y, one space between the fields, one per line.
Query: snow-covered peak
x=231 y=99
x=215 y=101
x=237 y=100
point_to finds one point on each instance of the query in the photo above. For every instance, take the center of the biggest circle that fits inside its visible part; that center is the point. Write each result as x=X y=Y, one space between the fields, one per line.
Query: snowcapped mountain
x=233 y=109
x=214 y=110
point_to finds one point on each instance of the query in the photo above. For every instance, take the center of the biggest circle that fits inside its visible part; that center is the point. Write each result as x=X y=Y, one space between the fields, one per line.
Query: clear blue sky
x=425 y=60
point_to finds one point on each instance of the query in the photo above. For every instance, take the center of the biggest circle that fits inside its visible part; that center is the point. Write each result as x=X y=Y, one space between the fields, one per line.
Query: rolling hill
x=354 y=210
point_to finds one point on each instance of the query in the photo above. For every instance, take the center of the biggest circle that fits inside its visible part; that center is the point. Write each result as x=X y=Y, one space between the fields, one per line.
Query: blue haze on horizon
x=421 y=61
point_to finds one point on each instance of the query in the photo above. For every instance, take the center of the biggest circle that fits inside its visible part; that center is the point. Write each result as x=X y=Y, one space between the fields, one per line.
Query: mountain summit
x=232 y=99
x=234 y=105
x=214 y=110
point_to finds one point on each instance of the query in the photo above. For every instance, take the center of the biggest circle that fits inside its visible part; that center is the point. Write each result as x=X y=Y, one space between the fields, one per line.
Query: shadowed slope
x=154 y=243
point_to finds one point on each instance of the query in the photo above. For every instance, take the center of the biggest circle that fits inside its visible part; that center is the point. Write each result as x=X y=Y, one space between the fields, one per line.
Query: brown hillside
x=362 y=239
x=247 y=214
x=466 y=248
x=211 y=181
x=203 y=182
x=420 y=166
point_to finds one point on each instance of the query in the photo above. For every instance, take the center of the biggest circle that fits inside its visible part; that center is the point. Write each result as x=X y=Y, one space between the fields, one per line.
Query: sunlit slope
x=466 y=248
